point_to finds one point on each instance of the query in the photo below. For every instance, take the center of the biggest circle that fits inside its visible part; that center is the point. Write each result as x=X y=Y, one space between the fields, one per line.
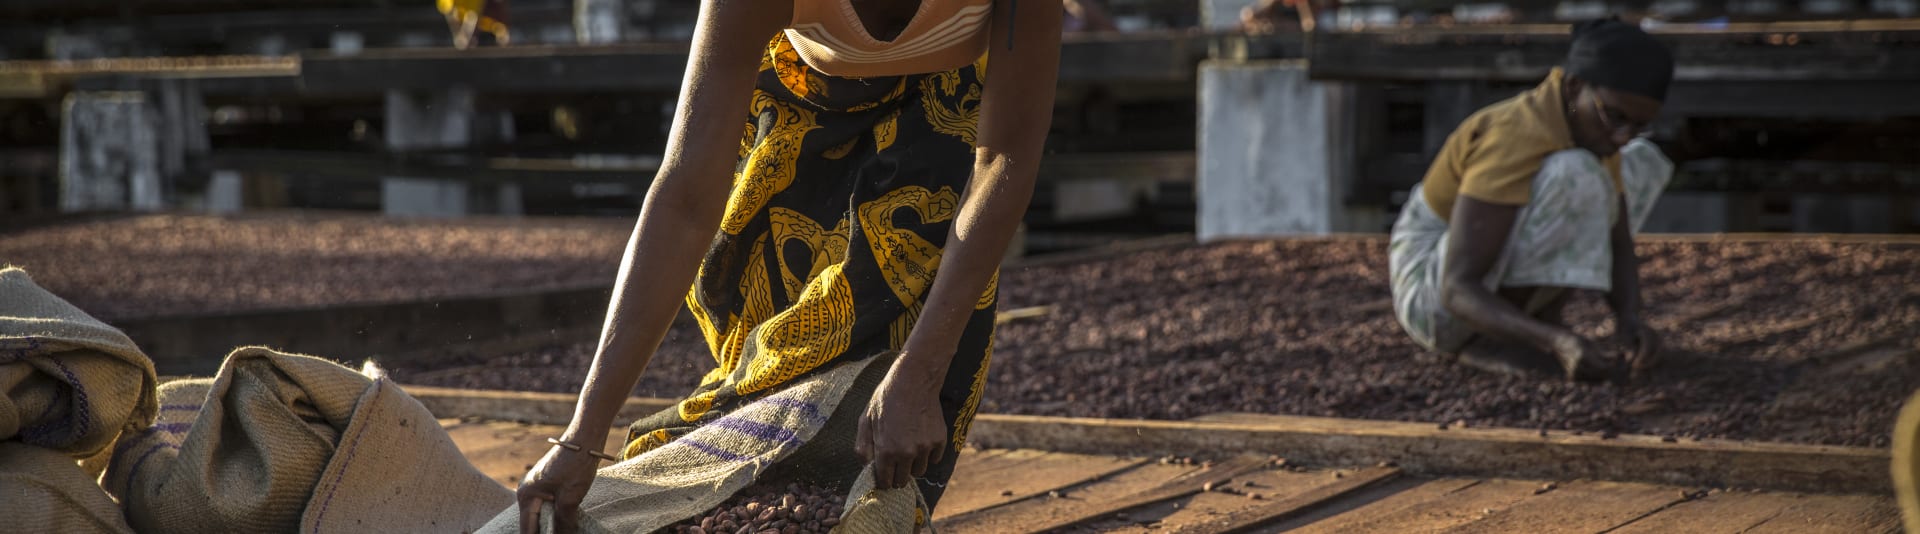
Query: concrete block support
x=414 y=197
x=435 y=120
x=226 y=192
x=429 y=120
x=109 y=153
x=598 y=21
x=1220 y=15
x=1275 y=151
x=183 y=138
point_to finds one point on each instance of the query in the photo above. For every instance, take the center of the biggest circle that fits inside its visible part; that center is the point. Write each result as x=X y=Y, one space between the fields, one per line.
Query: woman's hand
x=561 y=478
x=1580 y=358
x=903 y=431
x=1645 y=342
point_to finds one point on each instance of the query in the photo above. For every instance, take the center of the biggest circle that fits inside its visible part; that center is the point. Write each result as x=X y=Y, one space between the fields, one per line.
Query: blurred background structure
x=1790 y=116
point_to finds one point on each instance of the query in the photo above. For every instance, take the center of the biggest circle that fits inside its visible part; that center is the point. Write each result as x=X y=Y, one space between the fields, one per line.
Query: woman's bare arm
x=904 y=432
x=683 y=207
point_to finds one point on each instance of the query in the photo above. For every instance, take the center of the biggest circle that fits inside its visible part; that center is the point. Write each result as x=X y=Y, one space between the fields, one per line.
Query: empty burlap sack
x=696 y=472
x=44 y=490
x=882 y=511
x=68 y=382
x=1906 y=462
x=283 y=442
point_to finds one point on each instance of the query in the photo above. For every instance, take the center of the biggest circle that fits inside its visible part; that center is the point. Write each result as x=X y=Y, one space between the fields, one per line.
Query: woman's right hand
x=1580 y=358
x=561 y=478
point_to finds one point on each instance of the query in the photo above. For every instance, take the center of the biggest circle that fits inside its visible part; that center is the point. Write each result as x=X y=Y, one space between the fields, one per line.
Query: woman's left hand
x=1645 y=346
x=903 y=431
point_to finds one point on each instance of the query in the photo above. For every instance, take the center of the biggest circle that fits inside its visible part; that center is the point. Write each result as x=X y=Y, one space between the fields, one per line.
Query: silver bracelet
x=577 y=448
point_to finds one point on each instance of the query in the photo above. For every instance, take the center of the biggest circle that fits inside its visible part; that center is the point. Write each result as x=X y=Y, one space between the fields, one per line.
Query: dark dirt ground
x=1797 y=340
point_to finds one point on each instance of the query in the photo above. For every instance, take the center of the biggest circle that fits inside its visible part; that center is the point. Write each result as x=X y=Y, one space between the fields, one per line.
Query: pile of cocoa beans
x=794 y=509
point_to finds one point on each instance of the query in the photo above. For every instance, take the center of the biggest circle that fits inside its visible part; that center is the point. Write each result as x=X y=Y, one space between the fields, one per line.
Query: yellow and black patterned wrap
x=840 y=208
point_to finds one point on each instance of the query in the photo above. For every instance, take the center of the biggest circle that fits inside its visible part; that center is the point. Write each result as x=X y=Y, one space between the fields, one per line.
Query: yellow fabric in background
x=463 y=9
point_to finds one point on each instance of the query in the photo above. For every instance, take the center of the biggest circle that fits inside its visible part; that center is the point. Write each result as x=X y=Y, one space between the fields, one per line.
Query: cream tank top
x=943 y=35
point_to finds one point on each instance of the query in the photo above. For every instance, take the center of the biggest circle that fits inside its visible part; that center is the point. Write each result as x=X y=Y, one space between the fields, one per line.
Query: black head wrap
x=1619 y=56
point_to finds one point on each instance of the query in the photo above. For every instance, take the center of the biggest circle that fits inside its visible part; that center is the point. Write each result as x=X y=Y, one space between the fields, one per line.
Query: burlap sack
x=283 y=442
x=1906 y=462
x=68 y=382
x=882 y=511
x=44 y=490
x=696 y=472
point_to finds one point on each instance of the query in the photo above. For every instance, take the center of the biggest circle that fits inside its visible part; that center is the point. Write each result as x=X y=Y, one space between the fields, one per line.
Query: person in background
x=1270 y=16
x=467 y=18
x=1531 y=199
x=841 y=182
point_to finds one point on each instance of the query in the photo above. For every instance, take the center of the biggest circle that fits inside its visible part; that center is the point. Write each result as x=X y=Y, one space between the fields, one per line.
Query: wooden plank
x=1790 y=99
x=1431 y=510
x=1012 y=460
x=1424 y=450
x=1419 y=448
x=1718 y=512
x=1769 y=55
x=1352 y=520
x=1209 y=507
x=1024 y=515
x=1135 y=57
x=1295 y=505
x=971 y=457
x=978 y=489
x=1577 y=507
x=537 y=68
x=1174 y=489
x=1835 y=514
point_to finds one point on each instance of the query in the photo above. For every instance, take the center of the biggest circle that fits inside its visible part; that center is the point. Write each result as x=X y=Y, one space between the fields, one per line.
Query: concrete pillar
x=1271 y=151
x=429 y=120
x=226 y=192
x=433 y=120
x=416 y=197
x=508 y=200
x=599 y=21
x=1222 y=15
x=347 y=43
x=109 y=152
x=183 y=136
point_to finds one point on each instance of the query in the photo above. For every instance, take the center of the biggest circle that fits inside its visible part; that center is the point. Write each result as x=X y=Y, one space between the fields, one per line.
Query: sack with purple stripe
x=802 y=423
x=69 y=385
x=283 y=442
